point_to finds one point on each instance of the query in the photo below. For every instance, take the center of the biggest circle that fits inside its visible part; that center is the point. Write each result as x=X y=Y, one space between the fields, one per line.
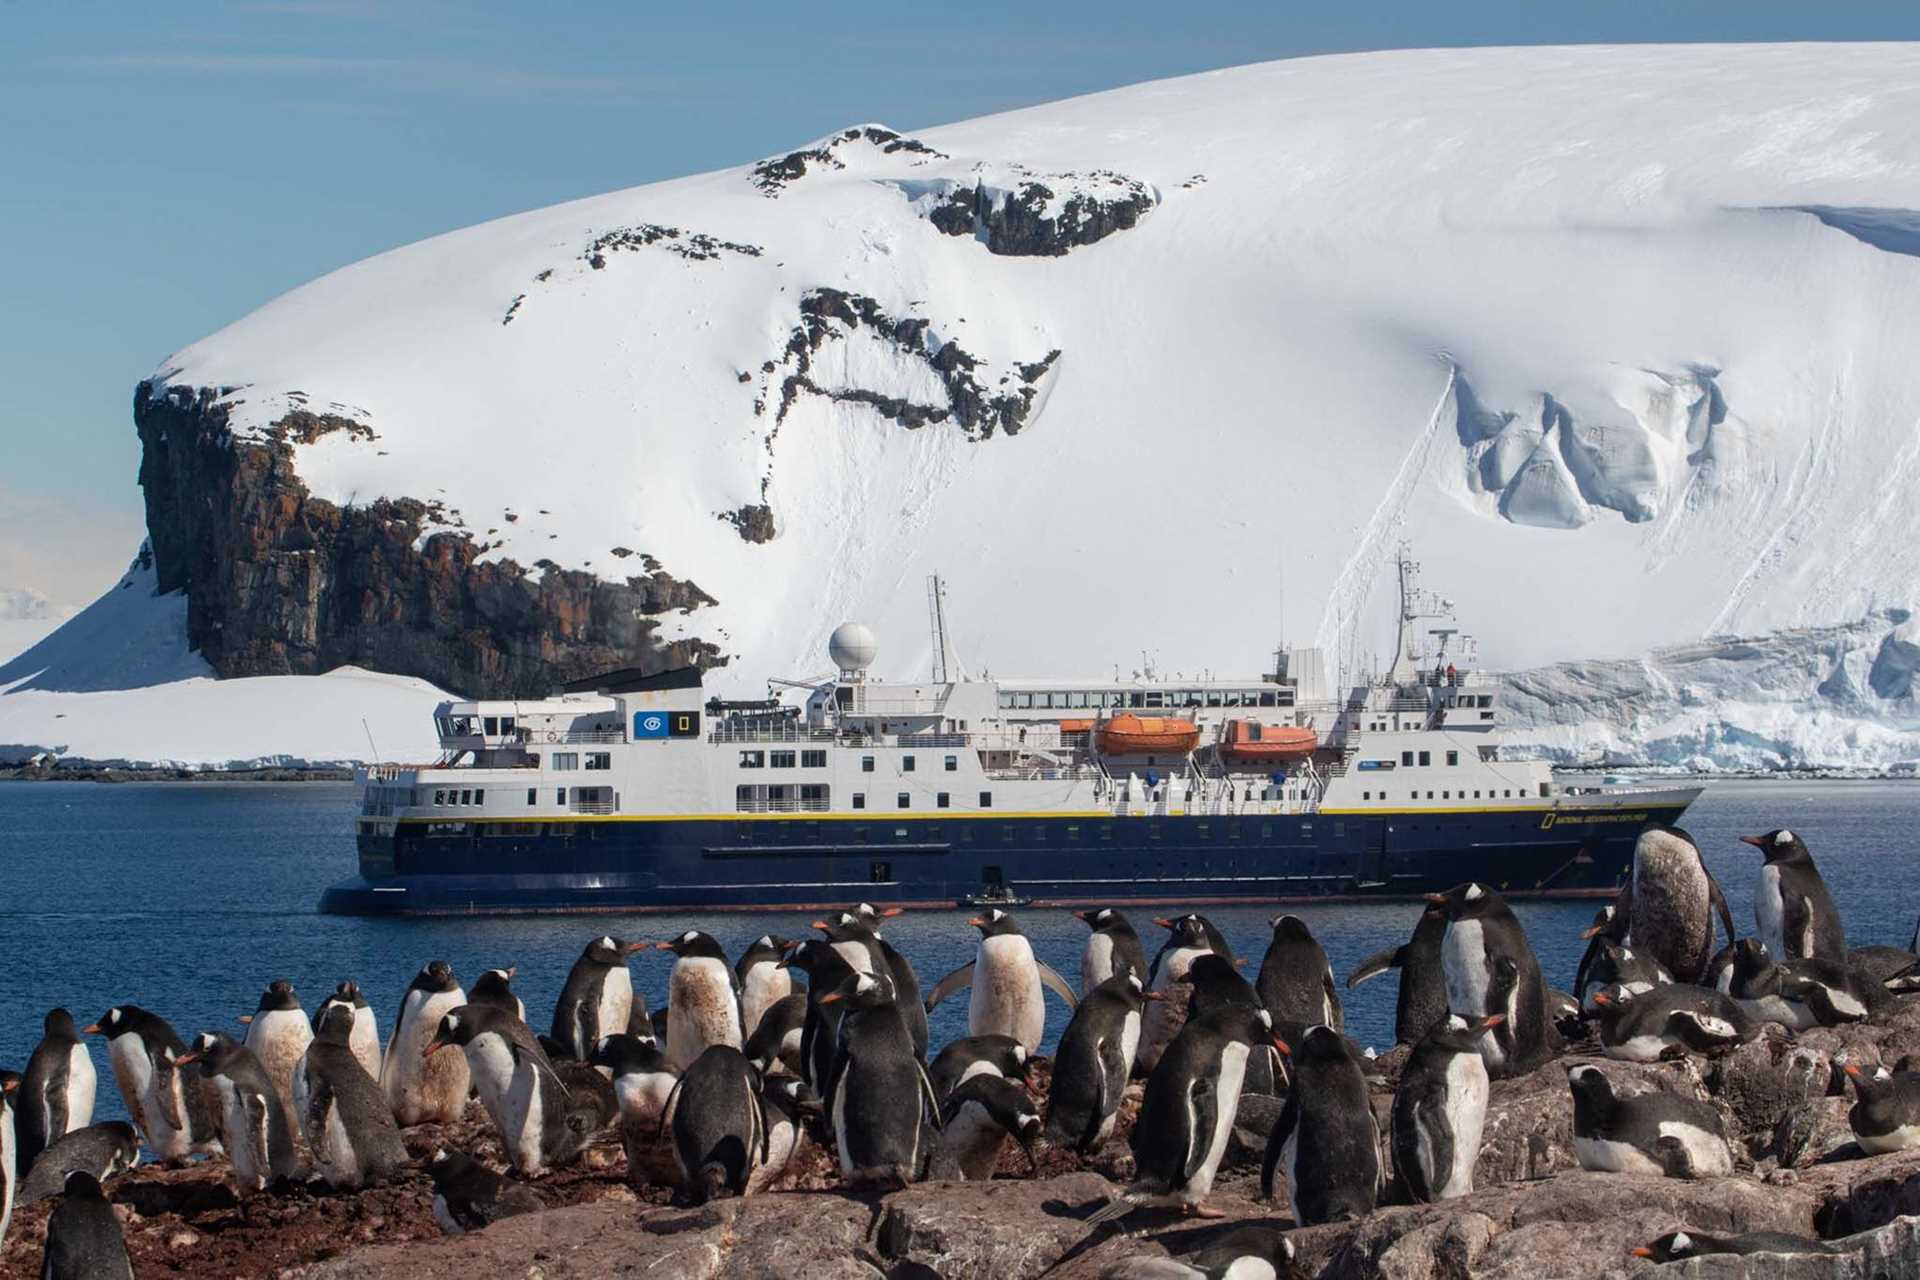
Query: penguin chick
x=468 y=1196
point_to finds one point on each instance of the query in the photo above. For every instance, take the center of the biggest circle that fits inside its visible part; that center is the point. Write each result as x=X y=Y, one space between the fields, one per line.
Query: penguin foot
x=1203 y=1211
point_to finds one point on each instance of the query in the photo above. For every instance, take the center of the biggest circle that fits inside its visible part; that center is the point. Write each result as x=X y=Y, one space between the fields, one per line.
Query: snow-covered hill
x=1621 y=339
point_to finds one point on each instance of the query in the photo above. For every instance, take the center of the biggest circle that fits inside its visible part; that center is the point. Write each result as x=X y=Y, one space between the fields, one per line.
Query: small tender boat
x=1131 y=735
x=1250 y=742
x=998 y=895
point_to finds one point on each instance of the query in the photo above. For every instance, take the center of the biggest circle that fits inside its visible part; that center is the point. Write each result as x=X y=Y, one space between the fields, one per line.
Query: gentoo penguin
x=826 y=970
x=976 y=1120
x=785 y=1103
x=776 y=1040
x=1296 y=982
x=1671 y=901
x=279 y=1033
x=1616 y=964
x=1112 y=947
x=1895 y=968
x=419 y=1089
x=341 y=1111
x=1481 y=930
x=468 y=1196
x=703 y=1002
x=84 y=1240
x=364 y=1039
x=1612 y=1134
x=1804 y=993
x=1092 y=1064
x=1187 y=1114
x=56 y=1094
x=971 y=1056
x=1188 y=937
x=1886 y=1116
x=103 y=1149
x=1791 y=906
x=598 y=997
x=540 y=1125
x=1006 y=979
x=1675 y=1018
x=1247 y=1253
x=878 y=1097
x=906 y=983
x=171 y=1114
x=1325 y=1141
x=1677 y=1246
x=643 y=1080
x=1609 y=925
x=1440 y=1111
x=719 y=1128
x=1215 y=984
x=1423 y=988
x=254 y=1125
x=9 y=1150
x=495 y=987
x=763 y=981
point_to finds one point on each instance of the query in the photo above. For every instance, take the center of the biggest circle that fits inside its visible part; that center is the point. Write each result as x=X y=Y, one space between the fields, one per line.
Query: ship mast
x=945 y=668
x=1415 y=604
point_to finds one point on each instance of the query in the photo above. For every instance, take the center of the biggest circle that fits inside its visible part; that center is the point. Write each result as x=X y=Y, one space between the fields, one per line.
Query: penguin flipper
x=1111 y=1068
x=1050 y=977
x=961 y=977
x=254 y=1105
x=930 y=1105
x=1719 y=901
x=1701 y=1032
x=1203 y=1113
x=165 y=1075
x=319 y=1103
x=1277 y=1140
x=1430 y=1117
x=1375 y=965
x=666 y=1112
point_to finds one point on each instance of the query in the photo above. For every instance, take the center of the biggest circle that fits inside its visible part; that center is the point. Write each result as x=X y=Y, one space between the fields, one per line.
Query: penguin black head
x=1460 y=1035
x=1467 y=901
x=1321 y=1043
x=208 y=1047
x=807 y=955
x=1290 y=929
x=627 y=1055
x=1590 y=1086
x=349 y=992
x=335 y=1024
x=81 y=1185
x=456 y=1030
x=609 y=950
x=58 y=1025
x=767 y=946
x=1185 y=931
x=995 y=923
x=448 y=1167
x=494 y=984
x=1127 y=985
x=1658 y=841
x=278 y=995
x=1607 y=922
x=117 y=1021
x=860 y=991
x=1676 y=1245
x=1780 y=846
x=1217 y=982
x=436 y=975
x=693 y=944
x=871 y=916
x=1750 y=959
x=844 y=927
x=1102 y=919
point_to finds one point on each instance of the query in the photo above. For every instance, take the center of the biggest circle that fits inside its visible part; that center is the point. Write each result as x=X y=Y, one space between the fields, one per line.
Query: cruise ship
x=634 y=791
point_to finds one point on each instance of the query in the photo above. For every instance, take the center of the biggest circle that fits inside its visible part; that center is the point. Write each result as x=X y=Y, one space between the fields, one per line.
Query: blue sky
x=165 y=168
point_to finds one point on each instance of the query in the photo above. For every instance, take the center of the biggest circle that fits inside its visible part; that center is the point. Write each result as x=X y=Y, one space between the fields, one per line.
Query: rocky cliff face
x=279 y=582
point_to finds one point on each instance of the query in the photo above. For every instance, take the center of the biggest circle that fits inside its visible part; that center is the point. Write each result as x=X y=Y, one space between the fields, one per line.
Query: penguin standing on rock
x=254 y=1126
x=278 y=1033
x=598 y=997
x=1188 y=937
x=57 y=1093
x=1325 y=1140
x=763 y=981
x=342 y=1112
x=826 y=970
x=364 y=1038
x=703 y=999
x=1186 y=1117
x=171 y=1113
x=1093 y=1062
x=1670 y=903
x=540 y=1126
x=1112 y=947
x=468 y=1196
x=1612 y=1134
x=1296 y=982
x=1217 y=984
x=1422 y=1002
x=1481 y=931
x=906 y=983
x=1440 y=1110
x=1795 y=913
x=878 y=1097
x=1007 y=983
x=84 y=1239
x=419 y=1089
x=719 y=1127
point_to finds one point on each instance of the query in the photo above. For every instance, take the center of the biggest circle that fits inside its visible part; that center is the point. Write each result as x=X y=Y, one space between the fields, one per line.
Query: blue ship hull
x=632 y=864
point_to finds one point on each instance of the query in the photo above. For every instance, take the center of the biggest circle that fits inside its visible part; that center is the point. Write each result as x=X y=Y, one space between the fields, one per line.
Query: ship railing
x=782 y=806
x=783 y=734
x=1046 y=773
x=932 y=739
x=591 y=806
x=544 y=737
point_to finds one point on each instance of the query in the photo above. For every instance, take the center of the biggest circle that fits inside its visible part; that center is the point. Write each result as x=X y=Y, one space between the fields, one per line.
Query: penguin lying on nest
x=1677 y=1246
x=1804 y=993
x=1670 y=1021
x=1659 y=1132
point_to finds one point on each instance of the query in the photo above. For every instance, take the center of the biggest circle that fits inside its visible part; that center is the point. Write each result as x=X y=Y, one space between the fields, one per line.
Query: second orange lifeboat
x=1131 y=735
x=1250 y=742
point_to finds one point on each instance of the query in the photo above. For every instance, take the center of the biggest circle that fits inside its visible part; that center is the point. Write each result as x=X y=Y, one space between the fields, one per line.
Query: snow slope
x=27 y=617
x=1620 y=338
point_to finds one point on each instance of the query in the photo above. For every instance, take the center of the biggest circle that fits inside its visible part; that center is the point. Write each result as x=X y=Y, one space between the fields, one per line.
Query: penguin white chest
x=616 y=1001
x=1232 y=1074
x=1708 y=1152
x=1129 y=1044
x=1770 y=913
x=82 y=1083
x=1006 y=996
x=420 y=1088
x=1096 y=962
x=133 y=1072
x=643 y=1096
x=1463 y=960
x=9 y=1168
x=766 y=985
x=701 y=1011
x=858 y=955
x=1603 y=1155
x=1466 y=1107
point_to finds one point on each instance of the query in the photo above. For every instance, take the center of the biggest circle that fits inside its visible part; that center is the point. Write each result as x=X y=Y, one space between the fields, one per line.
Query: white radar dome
x=852 y=647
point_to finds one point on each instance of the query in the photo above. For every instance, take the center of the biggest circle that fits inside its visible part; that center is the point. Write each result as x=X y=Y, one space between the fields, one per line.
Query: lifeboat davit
x=1250 y=742
x=1131 y=735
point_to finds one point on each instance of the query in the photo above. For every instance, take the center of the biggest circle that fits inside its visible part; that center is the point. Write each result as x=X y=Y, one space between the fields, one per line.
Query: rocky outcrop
x=775 y=175
x=279 y=582
x=1043 y=216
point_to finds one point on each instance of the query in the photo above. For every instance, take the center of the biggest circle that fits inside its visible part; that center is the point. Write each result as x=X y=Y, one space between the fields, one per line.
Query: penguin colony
x=825 y=1040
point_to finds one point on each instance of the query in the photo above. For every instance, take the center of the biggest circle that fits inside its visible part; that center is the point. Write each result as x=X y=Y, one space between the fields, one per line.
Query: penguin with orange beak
x=598 y=998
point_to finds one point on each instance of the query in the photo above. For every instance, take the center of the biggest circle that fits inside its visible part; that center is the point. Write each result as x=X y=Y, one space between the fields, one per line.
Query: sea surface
x=188 y=898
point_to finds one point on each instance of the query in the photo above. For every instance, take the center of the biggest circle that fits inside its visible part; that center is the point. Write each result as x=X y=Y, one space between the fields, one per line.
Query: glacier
x=1619 y=339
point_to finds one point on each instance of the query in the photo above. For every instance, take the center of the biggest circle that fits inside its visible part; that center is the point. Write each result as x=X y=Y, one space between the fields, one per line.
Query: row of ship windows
x=1094 y=699
x=818 y=760
x=1506 y=794
x=755 y=797
x=971 y=831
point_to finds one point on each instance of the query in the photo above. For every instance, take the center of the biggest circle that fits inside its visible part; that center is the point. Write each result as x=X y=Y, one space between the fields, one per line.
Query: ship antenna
x=946 y=667
x=366 y=729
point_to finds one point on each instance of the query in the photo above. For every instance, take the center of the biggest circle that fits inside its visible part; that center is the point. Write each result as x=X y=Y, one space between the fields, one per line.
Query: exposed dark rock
x=279 y=582
x=512 y=307
x=773 y=176
x=753 y=522
x=695 y=246
x=1027 y=223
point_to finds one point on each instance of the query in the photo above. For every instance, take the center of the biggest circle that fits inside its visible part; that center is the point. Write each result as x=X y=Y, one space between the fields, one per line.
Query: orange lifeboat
x=1131 y=735
x=1076 y=726
x=1250 y=742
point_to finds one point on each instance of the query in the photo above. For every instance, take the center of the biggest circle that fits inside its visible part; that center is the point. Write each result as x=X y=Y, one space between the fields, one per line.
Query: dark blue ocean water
x=188 y=898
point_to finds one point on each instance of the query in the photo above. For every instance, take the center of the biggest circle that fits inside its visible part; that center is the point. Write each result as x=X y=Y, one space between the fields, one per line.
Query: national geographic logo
x=1551 y=820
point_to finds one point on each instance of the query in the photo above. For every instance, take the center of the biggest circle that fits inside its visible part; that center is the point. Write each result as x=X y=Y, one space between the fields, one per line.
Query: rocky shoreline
x=1536 y=1213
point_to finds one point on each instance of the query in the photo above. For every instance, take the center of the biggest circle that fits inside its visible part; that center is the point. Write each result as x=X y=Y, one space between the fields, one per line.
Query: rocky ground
x=1537 y=1214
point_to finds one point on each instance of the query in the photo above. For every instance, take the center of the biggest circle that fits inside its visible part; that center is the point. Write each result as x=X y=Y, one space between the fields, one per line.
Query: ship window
x=479 y=797
x=904 y=800
x=533 y=795
x=753 y=759
x=1366 y=795
x=1429 y=795
x=1214 y=698
x=1106 y=831
x=1406 y=758
x=1006 y=701
x=940 y=801
x=906 y=764
x=986 y=799
x=566 y=760
x=1453 y=758
x=781 y=760
x=440 y=797
x=859 y=799
x=1426 y=758
x=600 y=760
x=1204 y=831
x=466 y=797
x=1233 y=831
x=560 y=795
x=813 y=759
x=866 y=764
x=560 y=830
x=1446 y=795
x=880 y=872
x=1266 y=831
x=1545 y=790
x=1154 y=833
x=1023 y=700
x=1134 y=700
x=492 y=726
x=813 y=798
x=1266 y=699
x=953 y=764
